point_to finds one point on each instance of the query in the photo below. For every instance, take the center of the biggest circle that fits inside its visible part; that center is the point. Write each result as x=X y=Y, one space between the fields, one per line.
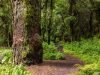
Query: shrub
x=51 y=53
x=91 y=69
x=6 y=66
x=6 y=55
x=9 y=69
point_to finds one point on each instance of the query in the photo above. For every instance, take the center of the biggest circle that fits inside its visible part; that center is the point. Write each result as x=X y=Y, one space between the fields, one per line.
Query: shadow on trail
x=56 y=67
x=61 y=63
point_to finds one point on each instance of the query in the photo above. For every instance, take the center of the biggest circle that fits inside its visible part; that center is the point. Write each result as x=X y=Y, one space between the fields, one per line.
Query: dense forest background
x=61 y=20
x=34 y=27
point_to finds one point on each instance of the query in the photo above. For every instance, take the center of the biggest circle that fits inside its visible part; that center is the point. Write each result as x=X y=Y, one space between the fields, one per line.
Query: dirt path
x=56 y=67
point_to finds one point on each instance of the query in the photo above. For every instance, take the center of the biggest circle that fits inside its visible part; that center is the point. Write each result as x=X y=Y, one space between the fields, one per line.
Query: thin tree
x=71 y=13
x=50 y=21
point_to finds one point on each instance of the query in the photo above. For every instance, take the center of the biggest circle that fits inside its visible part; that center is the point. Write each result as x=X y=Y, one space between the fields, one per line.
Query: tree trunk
x=45 y=20
x=18 y=30
x=35 y=56
x=72 y=23
x=50 y=21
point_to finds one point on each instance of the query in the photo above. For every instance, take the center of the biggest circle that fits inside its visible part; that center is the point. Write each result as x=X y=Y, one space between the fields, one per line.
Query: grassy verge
x=89 y=52
x=86 y=50
x=6 y=66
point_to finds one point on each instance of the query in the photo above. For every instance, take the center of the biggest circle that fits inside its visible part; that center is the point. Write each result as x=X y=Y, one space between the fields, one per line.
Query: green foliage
x=51 y=53
x=9 y=69
x=6 y=54
x=6 y=66
x=91 y=69
x=97 y=4
x=87 y=50
x=60 y=20
x=5 y=22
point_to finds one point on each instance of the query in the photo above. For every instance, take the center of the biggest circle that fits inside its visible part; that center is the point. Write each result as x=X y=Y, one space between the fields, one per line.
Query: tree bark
x=35 y=56
x=18 y=30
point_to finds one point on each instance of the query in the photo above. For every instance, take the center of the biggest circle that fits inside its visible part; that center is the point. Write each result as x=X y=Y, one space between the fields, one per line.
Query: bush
x=6 y=55
x=9 y=69
x=51 y=53
x=6 y=66
x=91 y=69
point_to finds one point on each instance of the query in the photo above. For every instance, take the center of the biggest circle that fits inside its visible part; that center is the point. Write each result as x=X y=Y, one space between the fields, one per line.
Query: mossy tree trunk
x=18 y=30
x=35 y=56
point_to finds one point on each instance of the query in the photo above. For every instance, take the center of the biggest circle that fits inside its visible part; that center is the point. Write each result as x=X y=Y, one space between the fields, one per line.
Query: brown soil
x=56 y=67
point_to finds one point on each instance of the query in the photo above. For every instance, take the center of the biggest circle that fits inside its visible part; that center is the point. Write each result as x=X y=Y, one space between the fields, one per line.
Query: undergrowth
x=6 y=65
x=86 y=50
x=9 y=69
x=51 y=53
x=89 y=52
x=90 y=69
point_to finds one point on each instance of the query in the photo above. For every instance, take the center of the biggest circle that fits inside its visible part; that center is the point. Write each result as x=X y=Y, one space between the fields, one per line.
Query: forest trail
x=56 y=67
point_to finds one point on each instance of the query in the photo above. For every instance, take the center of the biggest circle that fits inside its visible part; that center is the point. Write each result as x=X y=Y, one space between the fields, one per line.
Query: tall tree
x=18 y=30
x=97 y=11
x=50 y=21
x=73 y=13
x=35 y=56
x=91 y=30
x=45 y=6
